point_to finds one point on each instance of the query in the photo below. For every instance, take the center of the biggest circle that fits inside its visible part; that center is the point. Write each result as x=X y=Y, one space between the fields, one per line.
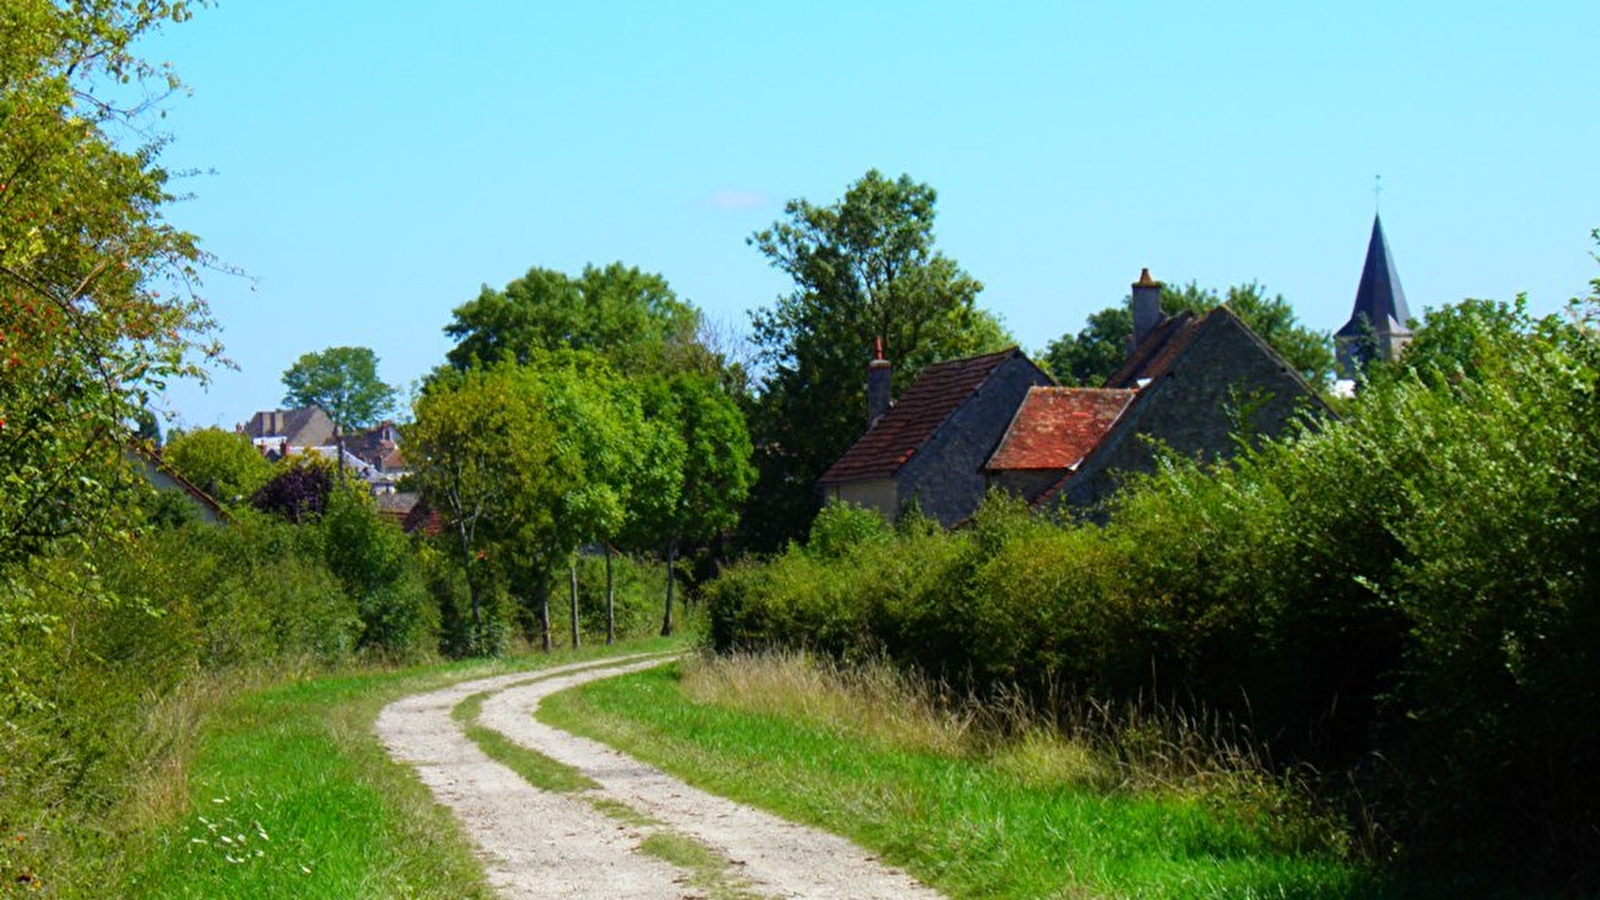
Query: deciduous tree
x=606 y=452
x=865 y=268
x=221 y=463
x=630 y=317
x=713 y=480
x=482 y=445
x=343 y=382
x=97 y=302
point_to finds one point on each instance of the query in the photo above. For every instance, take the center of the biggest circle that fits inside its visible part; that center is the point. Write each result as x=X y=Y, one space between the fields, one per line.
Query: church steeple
x=1377 y=328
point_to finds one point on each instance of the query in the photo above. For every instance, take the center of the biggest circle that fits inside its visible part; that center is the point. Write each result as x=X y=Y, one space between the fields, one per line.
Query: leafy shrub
x=841 y=526
x=298 y=493
x=224 y=464
x=447 y=586
x=380 y=570
x=639 y=587
x=91 y=642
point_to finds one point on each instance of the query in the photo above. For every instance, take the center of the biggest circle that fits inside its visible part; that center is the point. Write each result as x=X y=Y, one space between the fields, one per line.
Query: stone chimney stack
x=1146 y=305
x=878 y=401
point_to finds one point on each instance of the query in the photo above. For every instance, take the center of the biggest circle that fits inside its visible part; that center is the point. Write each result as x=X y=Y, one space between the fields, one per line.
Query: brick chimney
x=878 y=401
x=1146 y=305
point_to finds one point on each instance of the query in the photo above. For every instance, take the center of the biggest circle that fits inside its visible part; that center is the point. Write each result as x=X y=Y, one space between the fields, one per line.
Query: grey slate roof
x=1380 y=301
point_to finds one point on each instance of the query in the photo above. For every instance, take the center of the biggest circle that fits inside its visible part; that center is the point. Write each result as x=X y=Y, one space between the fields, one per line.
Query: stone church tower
x=1378 y=324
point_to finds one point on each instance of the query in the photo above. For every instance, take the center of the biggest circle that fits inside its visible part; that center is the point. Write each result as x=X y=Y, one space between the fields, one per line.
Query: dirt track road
x=539 y=845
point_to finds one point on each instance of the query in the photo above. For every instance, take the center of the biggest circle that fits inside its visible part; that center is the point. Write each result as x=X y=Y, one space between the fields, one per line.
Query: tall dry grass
x=1067 y=742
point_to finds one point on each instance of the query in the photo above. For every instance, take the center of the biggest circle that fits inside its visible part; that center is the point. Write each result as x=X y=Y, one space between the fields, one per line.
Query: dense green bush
x=379 y=568
x=1405 y=596
x=841 y=527
x=222 y=463
x=97 y=637
x=93 y=642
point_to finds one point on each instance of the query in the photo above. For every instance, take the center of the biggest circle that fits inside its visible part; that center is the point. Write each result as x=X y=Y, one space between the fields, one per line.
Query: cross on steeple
x=1377 y=192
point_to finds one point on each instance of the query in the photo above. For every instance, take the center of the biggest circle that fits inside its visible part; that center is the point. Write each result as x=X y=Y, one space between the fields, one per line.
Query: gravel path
x=539 y=844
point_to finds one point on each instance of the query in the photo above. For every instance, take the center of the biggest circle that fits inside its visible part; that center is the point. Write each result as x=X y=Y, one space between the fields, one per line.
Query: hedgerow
x=1404 y=597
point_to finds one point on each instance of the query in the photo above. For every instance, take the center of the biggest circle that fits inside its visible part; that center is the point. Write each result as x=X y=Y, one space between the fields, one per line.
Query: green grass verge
x=971 y=828
x=292 y=796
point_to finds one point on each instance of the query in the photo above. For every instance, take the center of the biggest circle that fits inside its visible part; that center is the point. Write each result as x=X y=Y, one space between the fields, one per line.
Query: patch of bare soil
x=539 y=844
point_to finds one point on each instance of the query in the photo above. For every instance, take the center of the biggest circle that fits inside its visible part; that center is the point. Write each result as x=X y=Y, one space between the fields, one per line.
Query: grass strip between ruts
x=703 y=867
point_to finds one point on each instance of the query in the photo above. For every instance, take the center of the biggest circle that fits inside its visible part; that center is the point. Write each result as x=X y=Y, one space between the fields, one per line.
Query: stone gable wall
x=1226 y=381
x=945 y=478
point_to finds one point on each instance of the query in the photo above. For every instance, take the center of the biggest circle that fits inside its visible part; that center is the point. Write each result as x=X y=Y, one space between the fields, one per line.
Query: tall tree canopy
x=631 y=318
x=865 y=268
x=482 y=446
x=221 y=463
x=1096 y=352
x=97 y=303
x=707 y=427
x=344 y=382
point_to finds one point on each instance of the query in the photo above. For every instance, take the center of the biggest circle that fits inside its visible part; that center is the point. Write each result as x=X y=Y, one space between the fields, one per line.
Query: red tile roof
x=937 y=392
x=1056 y=427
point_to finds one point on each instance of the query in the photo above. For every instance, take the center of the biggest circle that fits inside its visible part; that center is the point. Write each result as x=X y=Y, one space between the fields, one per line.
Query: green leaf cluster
x=630 y=317
x=97 y=290
x=222 y=463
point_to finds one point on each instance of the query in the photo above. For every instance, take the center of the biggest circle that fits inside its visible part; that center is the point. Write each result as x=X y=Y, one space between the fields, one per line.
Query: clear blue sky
x=375 y=163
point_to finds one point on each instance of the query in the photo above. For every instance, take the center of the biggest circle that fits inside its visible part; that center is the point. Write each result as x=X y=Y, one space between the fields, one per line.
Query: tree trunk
x=475 y=640
x=572 y=573
x=672 y=559
x=543 y=591
x=611 y=603
x=338 y=440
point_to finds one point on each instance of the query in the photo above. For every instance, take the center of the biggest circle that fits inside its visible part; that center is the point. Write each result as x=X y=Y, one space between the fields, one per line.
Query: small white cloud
x=735 y=198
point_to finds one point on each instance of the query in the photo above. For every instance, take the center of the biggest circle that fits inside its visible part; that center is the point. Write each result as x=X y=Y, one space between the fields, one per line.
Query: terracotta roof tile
x=1056 y=427
x=889 y=444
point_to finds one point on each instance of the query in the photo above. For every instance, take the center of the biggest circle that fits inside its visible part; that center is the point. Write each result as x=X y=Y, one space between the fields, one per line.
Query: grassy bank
x=287 y=793
x=975 y=817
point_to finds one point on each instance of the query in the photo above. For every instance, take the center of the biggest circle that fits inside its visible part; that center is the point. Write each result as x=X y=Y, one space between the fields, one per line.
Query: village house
x=373 y=453
x=1193 y=385
x=1200 y=385
x=164 y=478
x=928 y=449
x=275 y=432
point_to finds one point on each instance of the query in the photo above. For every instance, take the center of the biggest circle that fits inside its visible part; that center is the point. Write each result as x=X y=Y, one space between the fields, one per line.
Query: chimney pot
x=878 y=377
x=1145 y=302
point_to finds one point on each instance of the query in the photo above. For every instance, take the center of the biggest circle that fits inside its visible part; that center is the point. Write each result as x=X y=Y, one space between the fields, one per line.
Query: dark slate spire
x=1377 y=327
